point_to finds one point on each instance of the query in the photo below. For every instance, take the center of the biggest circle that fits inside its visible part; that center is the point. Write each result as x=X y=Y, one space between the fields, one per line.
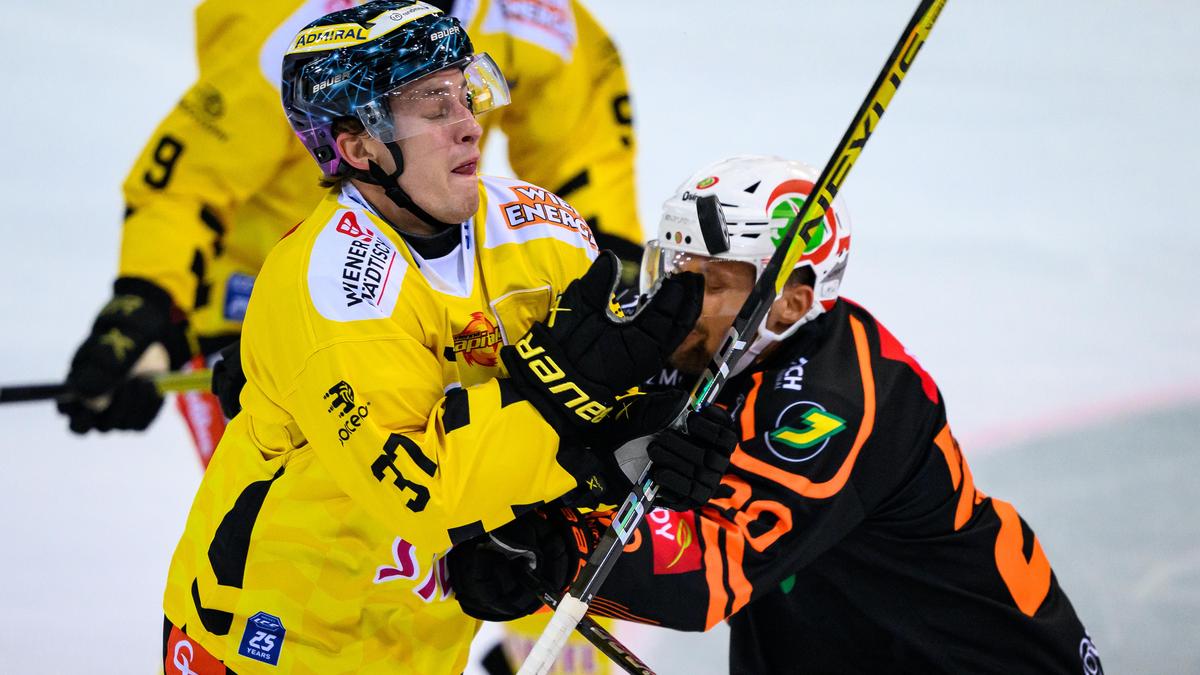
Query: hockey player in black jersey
x=847 y=535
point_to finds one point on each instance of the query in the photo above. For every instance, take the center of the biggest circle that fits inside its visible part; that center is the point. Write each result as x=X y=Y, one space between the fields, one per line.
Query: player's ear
x=355 y=149
x=793 y=303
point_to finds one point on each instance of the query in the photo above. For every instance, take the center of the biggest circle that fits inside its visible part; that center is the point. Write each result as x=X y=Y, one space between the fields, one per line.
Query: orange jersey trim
x=959 y=473
x=734 y=547
x=1027 y=580
x=748 y=409
x=610 y=608
x=713 y=573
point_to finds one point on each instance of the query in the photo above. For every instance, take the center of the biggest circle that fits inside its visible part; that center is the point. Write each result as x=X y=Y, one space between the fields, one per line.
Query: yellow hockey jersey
x=378 y=428
x=224 y=176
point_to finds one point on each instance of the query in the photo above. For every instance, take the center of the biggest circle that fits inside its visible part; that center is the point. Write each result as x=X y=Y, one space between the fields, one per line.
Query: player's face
x=727 y=284
x=441 y=161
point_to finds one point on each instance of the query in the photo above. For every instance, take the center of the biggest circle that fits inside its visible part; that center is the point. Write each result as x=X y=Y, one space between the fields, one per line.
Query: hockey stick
x=799 y=233
x=600 y=638
x=165 y=383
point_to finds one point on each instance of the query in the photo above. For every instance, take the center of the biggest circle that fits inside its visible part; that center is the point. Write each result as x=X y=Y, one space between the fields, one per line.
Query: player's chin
x=691 y=357
x=463 y=199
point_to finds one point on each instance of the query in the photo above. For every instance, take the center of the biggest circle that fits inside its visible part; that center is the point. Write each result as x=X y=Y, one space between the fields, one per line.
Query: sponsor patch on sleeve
x=186 y=657
x=802 y=431
x=263 y=638
x=237 y=296
x=518 y=212
x=549 y=24
x=673 y=536
x=533 y=212
x=354 y=272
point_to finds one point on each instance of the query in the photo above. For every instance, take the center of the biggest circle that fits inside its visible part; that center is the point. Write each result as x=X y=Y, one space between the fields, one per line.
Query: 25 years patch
x=263 y=638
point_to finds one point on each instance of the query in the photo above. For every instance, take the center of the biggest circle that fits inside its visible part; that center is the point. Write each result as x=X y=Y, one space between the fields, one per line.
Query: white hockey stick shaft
x=550 y=643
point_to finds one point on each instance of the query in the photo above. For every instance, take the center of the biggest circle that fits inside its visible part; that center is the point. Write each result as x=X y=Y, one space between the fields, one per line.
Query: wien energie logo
x=479 y=342
x=535 y=206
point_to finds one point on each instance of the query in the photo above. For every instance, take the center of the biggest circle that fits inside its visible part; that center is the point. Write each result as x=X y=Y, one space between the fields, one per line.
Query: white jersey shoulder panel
x=549 y=24
x=270 y=58
x=518 y=212
x=354 y=271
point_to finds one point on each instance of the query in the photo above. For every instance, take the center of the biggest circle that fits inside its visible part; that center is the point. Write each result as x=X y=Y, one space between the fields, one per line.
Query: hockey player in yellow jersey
x=223 y=177
x=424 y=362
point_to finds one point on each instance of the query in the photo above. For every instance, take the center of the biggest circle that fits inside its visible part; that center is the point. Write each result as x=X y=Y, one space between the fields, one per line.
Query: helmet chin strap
x=391 y=187
x=767 y=337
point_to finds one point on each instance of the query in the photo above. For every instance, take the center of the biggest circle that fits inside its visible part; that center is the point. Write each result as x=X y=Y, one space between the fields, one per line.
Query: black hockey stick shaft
x=166 y=382
x=795 y=241
x=31 y=392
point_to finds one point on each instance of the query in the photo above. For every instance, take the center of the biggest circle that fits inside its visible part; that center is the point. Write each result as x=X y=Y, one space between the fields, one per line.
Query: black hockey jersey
x=848 y=535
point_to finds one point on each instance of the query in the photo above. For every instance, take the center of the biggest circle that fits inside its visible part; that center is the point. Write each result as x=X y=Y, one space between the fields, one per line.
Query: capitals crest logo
x=479 y=342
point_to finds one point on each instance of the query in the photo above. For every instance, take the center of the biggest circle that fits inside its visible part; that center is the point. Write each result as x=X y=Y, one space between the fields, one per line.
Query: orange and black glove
x=501 y=575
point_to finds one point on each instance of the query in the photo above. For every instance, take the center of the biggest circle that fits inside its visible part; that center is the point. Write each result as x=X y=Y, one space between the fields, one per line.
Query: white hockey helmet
x=758 y=196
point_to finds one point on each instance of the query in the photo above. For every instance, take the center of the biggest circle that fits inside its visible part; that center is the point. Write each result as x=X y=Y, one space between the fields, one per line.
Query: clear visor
x=659 y=262
x=454 y=94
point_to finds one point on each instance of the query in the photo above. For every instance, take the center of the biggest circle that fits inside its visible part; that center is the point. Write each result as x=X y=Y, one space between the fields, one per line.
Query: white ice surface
x=1022 y=222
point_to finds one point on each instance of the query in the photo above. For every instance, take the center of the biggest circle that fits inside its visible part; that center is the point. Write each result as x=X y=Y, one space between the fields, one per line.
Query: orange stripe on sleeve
x=734 y=547
x=611 y=608
x=713 y=573
x=945 y=443
x=959 y=473
x=802 y=485
x=967 y=500
x=1028 y=580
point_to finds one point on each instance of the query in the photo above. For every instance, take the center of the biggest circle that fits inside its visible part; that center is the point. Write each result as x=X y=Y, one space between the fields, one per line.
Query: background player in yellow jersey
x=378 y=428
x=223 y=177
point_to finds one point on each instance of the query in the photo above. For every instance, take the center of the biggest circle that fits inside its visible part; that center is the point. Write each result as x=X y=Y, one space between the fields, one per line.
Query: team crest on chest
x=478 y=344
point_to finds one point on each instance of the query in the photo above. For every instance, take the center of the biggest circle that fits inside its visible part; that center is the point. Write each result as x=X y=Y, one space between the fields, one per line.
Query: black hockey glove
x=228 y=379
x=500 y=575
x=688 y=466
x=102 y=394
x=572 y=366
x=630 y=253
